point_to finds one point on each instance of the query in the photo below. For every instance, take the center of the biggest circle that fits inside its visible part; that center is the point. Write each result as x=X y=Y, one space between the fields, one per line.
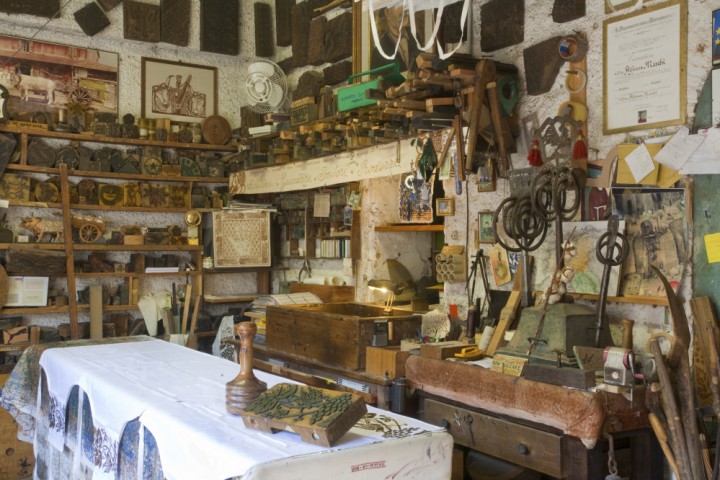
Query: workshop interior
x=437 y=239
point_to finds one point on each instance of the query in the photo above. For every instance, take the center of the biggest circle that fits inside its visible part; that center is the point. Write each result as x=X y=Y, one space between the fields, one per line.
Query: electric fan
x=263 y=85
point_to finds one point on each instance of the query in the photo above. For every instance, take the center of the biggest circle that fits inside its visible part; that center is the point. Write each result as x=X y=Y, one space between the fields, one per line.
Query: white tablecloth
x=178 y=394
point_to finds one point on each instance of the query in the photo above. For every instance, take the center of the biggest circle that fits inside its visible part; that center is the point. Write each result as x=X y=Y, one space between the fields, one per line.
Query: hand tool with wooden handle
x=661 y=435
x=484 y=74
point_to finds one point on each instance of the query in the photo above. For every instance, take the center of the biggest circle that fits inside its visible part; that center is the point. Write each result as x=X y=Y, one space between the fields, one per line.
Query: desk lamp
x=398 y=284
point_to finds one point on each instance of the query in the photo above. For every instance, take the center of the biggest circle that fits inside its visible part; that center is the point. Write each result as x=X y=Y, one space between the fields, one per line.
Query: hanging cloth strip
x=413 y=29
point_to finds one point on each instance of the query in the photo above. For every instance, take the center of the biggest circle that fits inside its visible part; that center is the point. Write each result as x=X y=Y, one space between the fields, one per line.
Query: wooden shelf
x=32 y=310
x=410 y=228
x=181 y=273
x=119 y=176
x=108 y=308
x=112 y=208
x=134 y=248
x=216 y=299
x=105 y=247
x=241 y=269
x=89 y=137
x=657 y=301
x=14 y=347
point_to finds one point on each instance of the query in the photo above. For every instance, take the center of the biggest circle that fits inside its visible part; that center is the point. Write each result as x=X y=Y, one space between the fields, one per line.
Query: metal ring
x=572 y=48
x=583 y=80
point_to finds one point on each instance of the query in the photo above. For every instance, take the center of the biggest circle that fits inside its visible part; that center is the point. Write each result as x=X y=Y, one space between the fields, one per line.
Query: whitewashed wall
x=379 y=204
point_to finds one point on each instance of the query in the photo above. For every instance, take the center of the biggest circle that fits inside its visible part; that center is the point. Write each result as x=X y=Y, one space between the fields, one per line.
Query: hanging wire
x=37 y=31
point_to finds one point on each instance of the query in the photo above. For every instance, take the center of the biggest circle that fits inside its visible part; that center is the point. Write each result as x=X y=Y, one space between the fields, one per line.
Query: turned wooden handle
x=627 y=336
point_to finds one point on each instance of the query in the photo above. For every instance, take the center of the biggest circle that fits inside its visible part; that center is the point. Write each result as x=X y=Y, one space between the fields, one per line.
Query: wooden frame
x=486 y=227
x=241 y=238
x=644 y=68
x=182 y=92
x=445 y=207
x=56 y=75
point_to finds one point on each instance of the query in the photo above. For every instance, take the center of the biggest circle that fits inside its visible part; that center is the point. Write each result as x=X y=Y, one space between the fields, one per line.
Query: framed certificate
x=644 y=68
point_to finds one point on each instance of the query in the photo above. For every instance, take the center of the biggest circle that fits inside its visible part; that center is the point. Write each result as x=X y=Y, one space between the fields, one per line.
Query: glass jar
x=196 y=133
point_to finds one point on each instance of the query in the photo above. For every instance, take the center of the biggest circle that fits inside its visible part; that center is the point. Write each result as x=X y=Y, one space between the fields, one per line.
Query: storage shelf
x=410 y=228
x=108 y=308
x=104 y=247
x=118 y=176
x=657 y=301
x=242 y=269
x=32 y=310
x=104 y=208
x=14 y=347
x=85 y=137
x=181 y=273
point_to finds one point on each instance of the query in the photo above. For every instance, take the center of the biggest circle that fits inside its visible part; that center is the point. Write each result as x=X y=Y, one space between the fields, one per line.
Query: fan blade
x=262 y=68
x=276 y=96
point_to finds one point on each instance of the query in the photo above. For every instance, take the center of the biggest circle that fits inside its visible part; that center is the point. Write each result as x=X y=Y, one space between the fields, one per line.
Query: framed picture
x=445 y=207
x=614 y=5
x=644 y=68
x=656 y=232
x=181 y=92
x=49 y=76
x=241 y=239
x=486 y=227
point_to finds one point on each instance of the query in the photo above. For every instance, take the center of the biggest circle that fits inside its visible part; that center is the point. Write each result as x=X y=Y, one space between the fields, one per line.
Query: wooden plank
x=410 y=228
x=327 y=293
x=69 y=252
x=96 y=312
x=186 y=308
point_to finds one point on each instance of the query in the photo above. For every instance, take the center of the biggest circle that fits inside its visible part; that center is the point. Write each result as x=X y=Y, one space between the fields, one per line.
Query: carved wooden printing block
x=175 y=22
x=219 y=26
x=141 y=21
x=318 y=415
x=91 y=19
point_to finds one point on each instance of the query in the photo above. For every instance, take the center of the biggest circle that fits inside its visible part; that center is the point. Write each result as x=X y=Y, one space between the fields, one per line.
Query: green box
x=353 y=96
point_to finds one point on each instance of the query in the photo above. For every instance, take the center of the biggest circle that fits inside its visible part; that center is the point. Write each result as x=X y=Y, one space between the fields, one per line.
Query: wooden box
x=441 y=350
x=15 y=335
x=336 y=334
x=386 y=360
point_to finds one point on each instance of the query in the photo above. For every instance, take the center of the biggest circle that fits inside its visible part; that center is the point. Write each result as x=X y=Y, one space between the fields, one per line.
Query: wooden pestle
x=244 y=388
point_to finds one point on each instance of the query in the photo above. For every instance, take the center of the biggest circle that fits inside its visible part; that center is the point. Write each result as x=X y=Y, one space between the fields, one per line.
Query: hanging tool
x=473 y=314
x=611 y=250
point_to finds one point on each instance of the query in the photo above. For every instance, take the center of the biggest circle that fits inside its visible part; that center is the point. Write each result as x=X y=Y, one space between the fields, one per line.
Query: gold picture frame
x=445 y=207
x=645 y=68
x=486 y=226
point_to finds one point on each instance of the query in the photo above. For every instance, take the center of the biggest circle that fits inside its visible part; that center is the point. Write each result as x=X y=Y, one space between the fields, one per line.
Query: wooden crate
x=16 y=457
x=382 y=360
x=336 y=334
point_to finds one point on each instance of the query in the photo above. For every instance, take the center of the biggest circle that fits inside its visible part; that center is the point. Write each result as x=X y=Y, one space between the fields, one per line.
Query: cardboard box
x=15 y=335
x=386 y=360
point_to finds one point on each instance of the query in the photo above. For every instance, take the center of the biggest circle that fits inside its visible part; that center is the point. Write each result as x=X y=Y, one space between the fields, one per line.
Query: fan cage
x=257 y=88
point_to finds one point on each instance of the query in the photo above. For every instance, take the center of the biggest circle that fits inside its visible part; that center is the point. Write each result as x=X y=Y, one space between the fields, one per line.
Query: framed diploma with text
x=644 y=68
